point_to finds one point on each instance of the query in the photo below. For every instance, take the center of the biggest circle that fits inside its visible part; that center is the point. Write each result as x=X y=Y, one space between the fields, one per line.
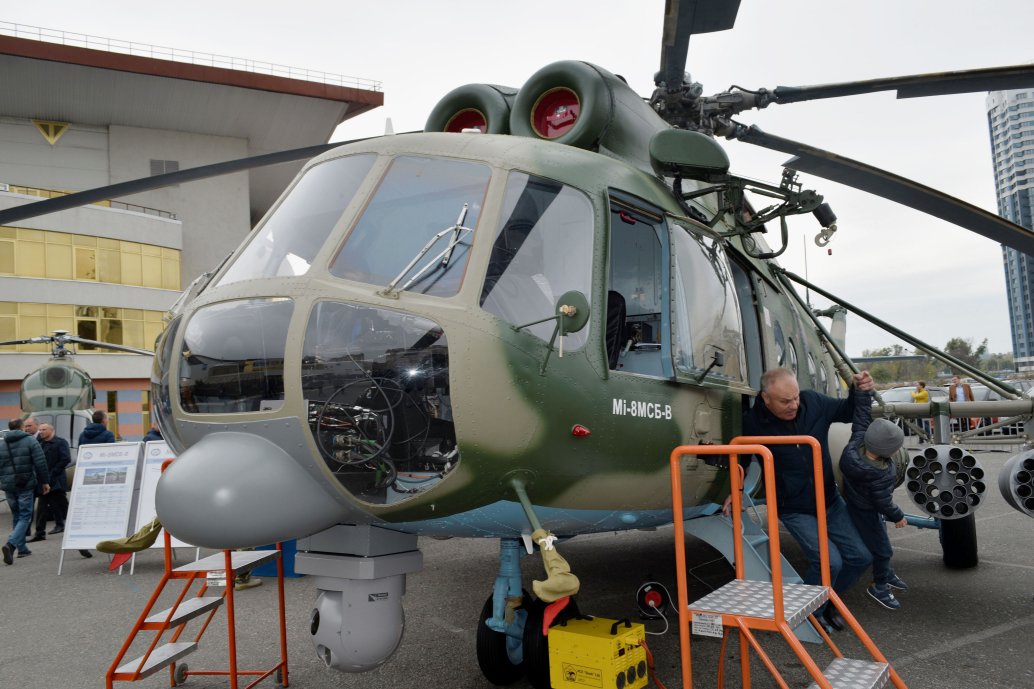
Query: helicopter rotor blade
x=682 y=19
x=907 y=192
x=916 y=85
x=28 y=340
x=106 y=345
x=60 y=203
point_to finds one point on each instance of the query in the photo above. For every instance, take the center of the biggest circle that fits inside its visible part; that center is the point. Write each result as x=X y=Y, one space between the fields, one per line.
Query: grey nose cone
x=235 y=490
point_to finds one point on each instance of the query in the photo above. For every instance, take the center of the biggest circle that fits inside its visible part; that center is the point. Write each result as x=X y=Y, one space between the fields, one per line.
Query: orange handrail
x=745 y=445
x=752 y=445
x=680 y=535
x=820 y=499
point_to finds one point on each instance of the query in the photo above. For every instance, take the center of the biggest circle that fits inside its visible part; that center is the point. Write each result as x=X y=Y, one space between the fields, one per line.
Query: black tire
x=491 y=652
x=536 y=646
x=959 y=542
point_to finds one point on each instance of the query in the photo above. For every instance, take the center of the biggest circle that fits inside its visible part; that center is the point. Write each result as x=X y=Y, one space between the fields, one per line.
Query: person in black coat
x=58 y=455
x=869 y=479
x=154 y=434
x=22 y=468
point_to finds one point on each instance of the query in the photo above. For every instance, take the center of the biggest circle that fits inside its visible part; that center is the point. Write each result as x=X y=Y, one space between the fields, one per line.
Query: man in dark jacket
x=782 y=408
x=97 y=432
x=154 y=434
x=58 y=455
x=22 y=468
x=869 y=480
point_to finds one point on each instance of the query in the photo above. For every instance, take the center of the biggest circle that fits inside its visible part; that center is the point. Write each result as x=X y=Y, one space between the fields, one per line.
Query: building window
x=64 y=256
x=130 y=327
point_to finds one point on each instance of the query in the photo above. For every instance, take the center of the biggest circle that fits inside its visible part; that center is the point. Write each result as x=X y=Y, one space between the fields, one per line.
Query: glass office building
x=1010 y=118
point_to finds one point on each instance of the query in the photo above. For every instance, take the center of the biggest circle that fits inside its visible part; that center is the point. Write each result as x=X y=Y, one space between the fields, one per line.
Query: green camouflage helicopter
x=501 y=325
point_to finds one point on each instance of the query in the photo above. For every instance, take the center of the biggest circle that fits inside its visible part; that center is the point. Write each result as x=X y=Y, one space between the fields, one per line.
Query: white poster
x=155 y=453
x=102 y=494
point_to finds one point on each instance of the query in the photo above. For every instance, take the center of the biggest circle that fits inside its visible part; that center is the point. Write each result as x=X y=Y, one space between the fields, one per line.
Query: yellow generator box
x=597 y=652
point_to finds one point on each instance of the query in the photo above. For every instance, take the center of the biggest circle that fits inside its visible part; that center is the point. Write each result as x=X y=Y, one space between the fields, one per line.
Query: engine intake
x=582 y=105
x=474 y=106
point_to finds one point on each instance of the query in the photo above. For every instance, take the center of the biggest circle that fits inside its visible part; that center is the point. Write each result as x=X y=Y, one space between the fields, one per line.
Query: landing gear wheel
x=491 y=652
x=536 y=646
x=959 y=542
x=180 y=676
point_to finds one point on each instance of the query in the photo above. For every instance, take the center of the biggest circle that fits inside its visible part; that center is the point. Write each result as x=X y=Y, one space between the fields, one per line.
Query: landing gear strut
x=493 y=656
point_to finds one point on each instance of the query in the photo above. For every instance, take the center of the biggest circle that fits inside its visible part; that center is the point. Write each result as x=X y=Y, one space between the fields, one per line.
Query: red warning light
x=580 y=431
x=467 y=119
x=555 y=112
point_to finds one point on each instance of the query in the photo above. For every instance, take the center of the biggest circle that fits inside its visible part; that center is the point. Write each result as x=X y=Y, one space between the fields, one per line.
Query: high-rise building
x=79 y=112
x=1010 y=118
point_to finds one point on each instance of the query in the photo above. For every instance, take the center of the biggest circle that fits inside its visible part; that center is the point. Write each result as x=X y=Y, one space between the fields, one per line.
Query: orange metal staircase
x=747 y=606
x=225 y=566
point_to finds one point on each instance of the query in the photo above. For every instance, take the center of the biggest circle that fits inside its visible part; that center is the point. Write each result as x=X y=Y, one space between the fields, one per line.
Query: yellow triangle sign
x=51 y=131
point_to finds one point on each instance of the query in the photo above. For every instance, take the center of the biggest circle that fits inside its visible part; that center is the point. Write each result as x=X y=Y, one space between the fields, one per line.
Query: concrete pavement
x=971 y=628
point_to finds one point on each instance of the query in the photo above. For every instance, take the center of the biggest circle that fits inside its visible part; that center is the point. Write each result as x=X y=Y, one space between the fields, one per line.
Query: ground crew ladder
x=748 y=606
x=225 y=566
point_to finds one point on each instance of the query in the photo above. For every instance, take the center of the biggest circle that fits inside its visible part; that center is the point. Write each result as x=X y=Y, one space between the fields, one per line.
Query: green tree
x=962 y=349
x=1000 y=362
x=882 y=373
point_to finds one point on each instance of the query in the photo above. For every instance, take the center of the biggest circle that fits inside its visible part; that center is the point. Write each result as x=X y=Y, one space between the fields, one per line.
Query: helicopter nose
x=236 y=490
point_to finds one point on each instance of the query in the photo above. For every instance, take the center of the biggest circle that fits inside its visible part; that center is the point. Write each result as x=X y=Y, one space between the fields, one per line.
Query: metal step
x=845 y=673
x=758 y=540
x=242 y=561
x=188 y=610
x=716 y=531
x=748 y=598
x=162 y=657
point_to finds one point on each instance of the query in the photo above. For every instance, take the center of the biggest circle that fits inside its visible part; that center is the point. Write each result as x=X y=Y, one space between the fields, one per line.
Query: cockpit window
x=543 y=249
x=418 y=199
x=290 y=238
x=376 y=383
x=706 y=311
x=232 y=358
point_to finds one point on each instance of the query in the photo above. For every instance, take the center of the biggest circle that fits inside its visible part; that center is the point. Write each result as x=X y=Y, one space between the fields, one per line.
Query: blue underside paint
x=506 y=519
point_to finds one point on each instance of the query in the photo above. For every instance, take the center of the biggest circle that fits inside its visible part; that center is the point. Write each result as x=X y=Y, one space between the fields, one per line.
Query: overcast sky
x=922 y=275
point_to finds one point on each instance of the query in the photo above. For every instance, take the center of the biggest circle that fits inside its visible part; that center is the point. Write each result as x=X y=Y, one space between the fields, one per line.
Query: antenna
x=807 y=290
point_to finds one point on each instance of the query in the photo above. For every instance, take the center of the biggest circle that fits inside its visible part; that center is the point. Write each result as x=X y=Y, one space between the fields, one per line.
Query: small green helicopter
x=503 y=325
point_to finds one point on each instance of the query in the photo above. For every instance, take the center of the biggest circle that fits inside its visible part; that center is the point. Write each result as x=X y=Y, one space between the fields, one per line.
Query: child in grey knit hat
x=869 y=479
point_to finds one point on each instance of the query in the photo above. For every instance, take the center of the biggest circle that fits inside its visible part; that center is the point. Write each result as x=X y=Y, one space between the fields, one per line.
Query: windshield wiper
x=445 y=255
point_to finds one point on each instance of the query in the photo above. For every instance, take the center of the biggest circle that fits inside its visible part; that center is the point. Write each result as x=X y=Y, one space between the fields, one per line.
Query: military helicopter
x=500 y=324
x=60 y=392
